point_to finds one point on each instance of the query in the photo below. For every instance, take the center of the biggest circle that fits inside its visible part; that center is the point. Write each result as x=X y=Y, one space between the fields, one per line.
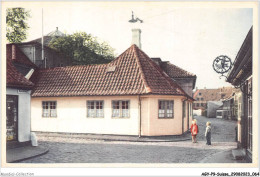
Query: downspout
x=140 y=120
x=186 y=99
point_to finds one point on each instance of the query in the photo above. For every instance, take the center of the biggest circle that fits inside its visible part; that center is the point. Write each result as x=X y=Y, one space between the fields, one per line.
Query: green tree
x=83 y=48
x=16 y=24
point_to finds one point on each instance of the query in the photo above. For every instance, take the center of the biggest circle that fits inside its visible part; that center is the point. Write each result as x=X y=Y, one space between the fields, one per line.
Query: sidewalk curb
x=143 y=141
x=26 y=158
x=127 y=139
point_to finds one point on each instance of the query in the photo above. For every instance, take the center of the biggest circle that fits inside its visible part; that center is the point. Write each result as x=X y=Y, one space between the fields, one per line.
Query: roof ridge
x=168 y=79
x=181 y=68
x=24 y=82
x=73 y=66
x=171 y=82
x=147 y=88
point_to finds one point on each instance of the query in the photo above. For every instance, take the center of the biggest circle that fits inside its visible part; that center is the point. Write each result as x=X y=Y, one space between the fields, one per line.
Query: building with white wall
x=131 y=95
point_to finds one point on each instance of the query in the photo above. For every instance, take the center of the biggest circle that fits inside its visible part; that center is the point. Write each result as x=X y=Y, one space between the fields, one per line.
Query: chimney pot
x=13 y=52
x=136 y=37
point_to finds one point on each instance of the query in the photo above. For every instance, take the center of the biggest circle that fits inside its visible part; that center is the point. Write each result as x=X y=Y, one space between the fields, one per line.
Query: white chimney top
x=136 y=37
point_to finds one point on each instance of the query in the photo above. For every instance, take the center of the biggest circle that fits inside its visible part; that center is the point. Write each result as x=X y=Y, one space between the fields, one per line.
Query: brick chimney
x=136 y=37
x=13 y=52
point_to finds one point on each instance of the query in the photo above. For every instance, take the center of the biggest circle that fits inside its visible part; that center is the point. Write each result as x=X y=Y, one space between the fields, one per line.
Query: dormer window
x=111 y=69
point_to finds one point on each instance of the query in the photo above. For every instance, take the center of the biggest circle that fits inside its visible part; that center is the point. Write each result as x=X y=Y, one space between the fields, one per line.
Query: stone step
x=238 y=154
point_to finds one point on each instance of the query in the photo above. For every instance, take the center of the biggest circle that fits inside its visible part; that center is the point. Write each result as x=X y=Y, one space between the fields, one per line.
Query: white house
x=131 y=95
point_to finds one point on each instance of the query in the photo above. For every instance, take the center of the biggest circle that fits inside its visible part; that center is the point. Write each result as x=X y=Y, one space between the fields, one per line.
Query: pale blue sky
x=189 y=37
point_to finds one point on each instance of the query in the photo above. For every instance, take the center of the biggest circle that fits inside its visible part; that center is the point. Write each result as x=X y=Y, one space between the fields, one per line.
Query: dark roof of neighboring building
x=175 y=71
x=56 y=33
x=214 y=94
x=172 y=70
x=15 y=78
x=48 y=38
x=242 y=68
x=20 y=57
x=132 y=73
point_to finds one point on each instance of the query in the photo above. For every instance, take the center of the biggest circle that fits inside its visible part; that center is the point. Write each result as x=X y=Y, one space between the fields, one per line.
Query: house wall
x=24 y=110
x=29 y=51
x=152 y=125
x=186 y=85
x=212 y=107
x=72 y=116
x=34 y=53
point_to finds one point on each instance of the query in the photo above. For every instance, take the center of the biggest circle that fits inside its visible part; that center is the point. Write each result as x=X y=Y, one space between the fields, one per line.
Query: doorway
x=11 y=118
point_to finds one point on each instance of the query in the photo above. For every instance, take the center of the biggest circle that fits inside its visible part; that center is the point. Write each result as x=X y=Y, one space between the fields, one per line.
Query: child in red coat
x=194 y=129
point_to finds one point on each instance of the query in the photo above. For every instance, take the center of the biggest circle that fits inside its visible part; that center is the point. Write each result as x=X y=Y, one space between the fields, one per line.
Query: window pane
x=125 y=113
x=97 y=104
x=99 y=113
x=91 y=113
x=91 y=109
x=165 y=109
x=115 y=104
x=161 y=112
x=161 y=109
x=49 y=109
x=45 y=113
x=116 y=110
x=169 y=108
x=101 y=105
x=53 y=113
x=125 y=110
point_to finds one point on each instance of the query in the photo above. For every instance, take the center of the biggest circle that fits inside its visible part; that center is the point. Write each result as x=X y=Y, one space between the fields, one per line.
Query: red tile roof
x=15 y=78
x=132 y=73
x=214 y=94
x=174 y=71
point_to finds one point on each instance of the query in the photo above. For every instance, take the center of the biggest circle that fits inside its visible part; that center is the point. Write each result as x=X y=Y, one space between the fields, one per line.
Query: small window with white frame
x=120 y=109
x=95 y=109
x=166 y=109
x=49 y=109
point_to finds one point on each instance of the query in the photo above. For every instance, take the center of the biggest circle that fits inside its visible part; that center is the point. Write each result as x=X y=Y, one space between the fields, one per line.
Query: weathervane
x=134 y=20
x=222 y=64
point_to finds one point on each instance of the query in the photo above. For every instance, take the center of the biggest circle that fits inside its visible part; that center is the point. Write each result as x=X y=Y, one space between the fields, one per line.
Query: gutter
x=185 y=100
x=140 y=118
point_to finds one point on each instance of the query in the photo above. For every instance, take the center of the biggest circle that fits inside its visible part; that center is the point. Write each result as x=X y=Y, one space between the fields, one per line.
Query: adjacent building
x=132 y=95
x=202 y=96
x=42 y=55
x=18 y=97
x=241 y=76
x=185 y=79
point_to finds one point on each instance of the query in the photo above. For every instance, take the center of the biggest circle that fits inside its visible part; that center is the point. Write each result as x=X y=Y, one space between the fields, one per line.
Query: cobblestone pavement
x=221 y=130
x=80 y=150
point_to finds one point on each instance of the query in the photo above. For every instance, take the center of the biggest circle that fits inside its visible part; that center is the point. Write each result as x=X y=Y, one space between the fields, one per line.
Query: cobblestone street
x=80 y=150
